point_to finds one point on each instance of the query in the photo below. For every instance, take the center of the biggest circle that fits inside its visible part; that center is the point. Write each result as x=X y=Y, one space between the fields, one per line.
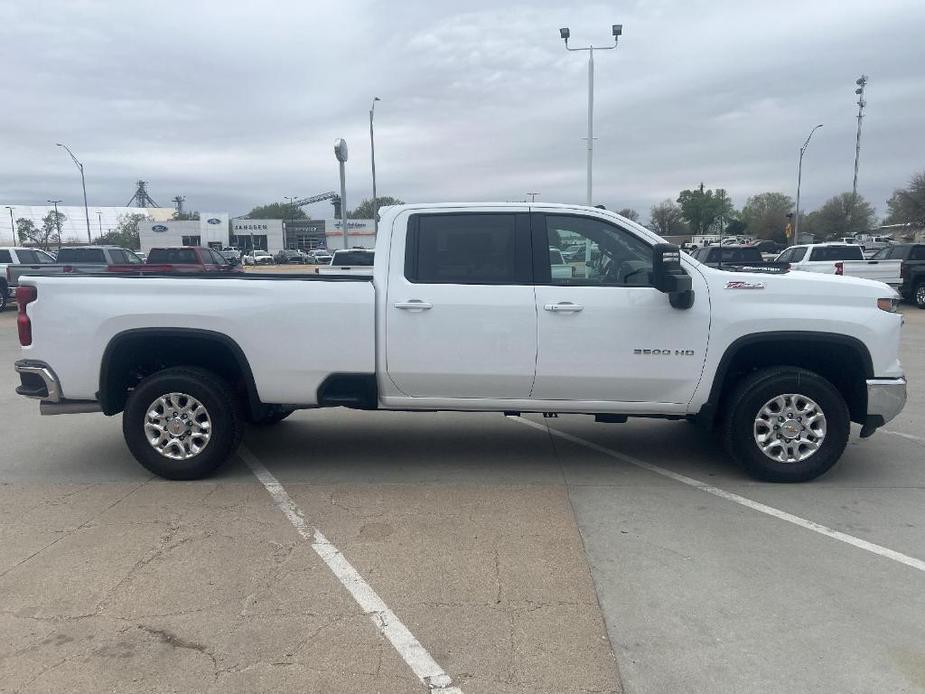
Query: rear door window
x=361 y=258
x=918 y=253
x=475 y=248
x=6 y=258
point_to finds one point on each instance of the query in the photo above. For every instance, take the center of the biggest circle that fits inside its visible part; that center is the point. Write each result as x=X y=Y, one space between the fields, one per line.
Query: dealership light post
x=83 y=182
x=564 y=33
x=340 y=151
x=796 y=217
x=99 y=217
x=372 y=153
x=12 y=225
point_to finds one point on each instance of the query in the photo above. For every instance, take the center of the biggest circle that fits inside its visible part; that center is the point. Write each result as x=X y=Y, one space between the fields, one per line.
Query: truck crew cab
x=464 y=312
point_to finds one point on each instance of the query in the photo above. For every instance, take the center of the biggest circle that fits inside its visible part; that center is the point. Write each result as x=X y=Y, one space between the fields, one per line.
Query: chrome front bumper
x=886 y=397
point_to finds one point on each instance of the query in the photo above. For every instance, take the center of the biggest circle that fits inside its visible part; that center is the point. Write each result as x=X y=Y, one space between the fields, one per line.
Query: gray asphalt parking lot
x=614 y=558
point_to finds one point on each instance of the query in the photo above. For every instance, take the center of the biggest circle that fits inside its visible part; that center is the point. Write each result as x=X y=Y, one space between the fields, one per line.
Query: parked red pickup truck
x=182 y=259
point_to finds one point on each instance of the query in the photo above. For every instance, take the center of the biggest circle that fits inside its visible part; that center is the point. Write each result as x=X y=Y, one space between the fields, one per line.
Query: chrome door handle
x=564 y=307
x=413 y=305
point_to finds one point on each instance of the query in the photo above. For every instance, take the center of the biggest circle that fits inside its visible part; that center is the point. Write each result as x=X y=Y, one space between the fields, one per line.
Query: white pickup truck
x=841 y=259
x=464 y=312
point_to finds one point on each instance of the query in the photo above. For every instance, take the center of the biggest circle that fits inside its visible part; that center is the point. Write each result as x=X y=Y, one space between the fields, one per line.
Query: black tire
x=221 y=404
x=270 y=414
x=918 y=296
x=746 y=402
x=4 y=296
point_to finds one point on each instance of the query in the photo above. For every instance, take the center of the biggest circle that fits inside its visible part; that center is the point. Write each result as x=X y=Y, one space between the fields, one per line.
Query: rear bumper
x=37 y=381
x=886 y=398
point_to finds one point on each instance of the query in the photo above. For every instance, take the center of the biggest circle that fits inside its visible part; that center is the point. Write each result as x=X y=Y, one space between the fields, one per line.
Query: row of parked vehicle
x=16 y=262
x=901 y=265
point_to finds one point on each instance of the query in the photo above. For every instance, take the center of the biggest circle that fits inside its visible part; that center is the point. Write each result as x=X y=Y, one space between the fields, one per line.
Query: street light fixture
x=12 y=225
x=796 y=220
x=372 y=151
x=532 y=196
x=565 y=34
x=83 y=182
x=340 y=151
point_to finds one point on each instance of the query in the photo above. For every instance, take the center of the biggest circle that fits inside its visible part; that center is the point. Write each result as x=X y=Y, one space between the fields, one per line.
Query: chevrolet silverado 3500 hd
x=464 y=312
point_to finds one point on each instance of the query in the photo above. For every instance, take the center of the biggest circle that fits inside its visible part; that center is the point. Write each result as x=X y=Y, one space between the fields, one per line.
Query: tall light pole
x=372 y=151
x=532 y=196
x=862 y=102
x=99 y=216
x=12 y=225
x=83 y=182
x=796 y=219
x=57 y=221
x=340 y=151
x=564 y=33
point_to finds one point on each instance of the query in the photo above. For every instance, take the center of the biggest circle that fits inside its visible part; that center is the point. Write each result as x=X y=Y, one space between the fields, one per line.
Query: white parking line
x=911 y=437
x=408 y=647
x=736 y=498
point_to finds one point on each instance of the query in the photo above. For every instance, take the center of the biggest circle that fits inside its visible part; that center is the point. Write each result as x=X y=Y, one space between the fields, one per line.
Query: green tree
x=629 y=213
x=736 y=227
x=765 y=215
x=665 y=219
x=907 y=205
x=842 y=215
x=125 y=235
x=702 y=209
x=277 y=210
x=44 y=237
x=365 y=209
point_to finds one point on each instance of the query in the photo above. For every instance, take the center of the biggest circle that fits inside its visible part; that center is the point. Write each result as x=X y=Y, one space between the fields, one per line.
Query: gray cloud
x=237 y=104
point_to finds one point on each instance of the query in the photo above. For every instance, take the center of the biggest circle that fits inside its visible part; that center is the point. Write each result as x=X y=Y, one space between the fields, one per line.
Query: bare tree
x=629 y=213
x=665 y=219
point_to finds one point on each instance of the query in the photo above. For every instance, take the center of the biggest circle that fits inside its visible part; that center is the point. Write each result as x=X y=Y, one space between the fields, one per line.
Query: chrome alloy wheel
x=920 y=295
x=177 y=426
x=789 y=428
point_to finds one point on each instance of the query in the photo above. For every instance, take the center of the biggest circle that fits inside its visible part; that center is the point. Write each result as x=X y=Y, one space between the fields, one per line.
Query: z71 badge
x=739 y=284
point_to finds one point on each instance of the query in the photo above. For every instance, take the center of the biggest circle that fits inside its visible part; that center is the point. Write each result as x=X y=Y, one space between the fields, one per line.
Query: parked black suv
x=913 y=269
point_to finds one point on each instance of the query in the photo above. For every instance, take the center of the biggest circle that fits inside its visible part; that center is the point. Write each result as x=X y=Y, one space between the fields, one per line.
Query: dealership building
x=217 y=231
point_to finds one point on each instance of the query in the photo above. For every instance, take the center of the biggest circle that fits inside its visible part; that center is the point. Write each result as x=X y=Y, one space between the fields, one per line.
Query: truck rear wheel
x=919 y=295
x=786 y=424
x=182 y=423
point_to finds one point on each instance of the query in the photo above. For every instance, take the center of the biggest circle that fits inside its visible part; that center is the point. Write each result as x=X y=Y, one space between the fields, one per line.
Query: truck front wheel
x=920 y=295
x=786 y=424
x=182 y=423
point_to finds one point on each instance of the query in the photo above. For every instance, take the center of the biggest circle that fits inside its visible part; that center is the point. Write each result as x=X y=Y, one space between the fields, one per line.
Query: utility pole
x=99 y=217
x=564 y=34
x=372 y=152
x=12 y=225
x=796 y=217
x=57 y=222
x=83 y=182
x=862 y=83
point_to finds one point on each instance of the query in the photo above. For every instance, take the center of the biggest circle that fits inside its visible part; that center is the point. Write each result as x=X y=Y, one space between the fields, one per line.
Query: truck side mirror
x=669 y=277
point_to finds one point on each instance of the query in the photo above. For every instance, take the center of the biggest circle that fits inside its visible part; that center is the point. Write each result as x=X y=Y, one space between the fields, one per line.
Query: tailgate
x=886 y=271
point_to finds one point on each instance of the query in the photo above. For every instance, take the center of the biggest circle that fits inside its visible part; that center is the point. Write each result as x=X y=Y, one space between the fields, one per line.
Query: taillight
x=25 y=295
x=839 y=268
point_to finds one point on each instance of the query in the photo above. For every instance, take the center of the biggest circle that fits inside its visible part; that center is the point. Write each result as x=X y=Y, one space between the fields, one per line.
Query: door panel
x=604 y=334
x=460 y=311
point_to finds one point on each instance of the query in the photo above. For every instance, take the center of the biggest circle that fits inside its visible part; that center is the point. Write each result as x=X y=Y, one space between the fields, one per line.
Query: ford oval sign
x=214 y=220
x=158 y=228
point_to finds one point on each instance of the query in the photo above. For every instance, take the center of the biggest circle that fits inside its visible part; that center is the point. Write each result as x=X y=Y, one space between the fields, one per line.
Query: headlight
x=889 y=304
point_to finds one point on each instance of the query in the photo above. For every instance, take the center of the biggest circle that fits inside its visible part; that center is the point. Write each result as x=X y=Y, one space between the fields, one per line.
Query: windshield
x=173 y=256
x=837 y=253
x=352 y=258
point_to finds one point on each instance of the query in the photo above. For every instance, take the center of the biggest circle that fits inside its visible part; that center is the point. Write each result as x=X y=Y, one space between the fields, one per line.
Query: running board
x=69 y=407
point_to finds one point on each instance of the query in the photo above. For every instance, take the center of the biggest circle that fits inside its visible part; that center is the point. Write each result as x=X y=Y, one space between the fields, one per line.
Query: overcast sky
x=234 y=104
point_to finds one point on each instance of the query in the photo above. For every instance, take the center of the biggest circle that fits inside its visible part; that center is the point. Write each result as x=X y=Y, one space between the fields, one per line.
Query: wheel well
x=136 y=354
x=843 y=361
